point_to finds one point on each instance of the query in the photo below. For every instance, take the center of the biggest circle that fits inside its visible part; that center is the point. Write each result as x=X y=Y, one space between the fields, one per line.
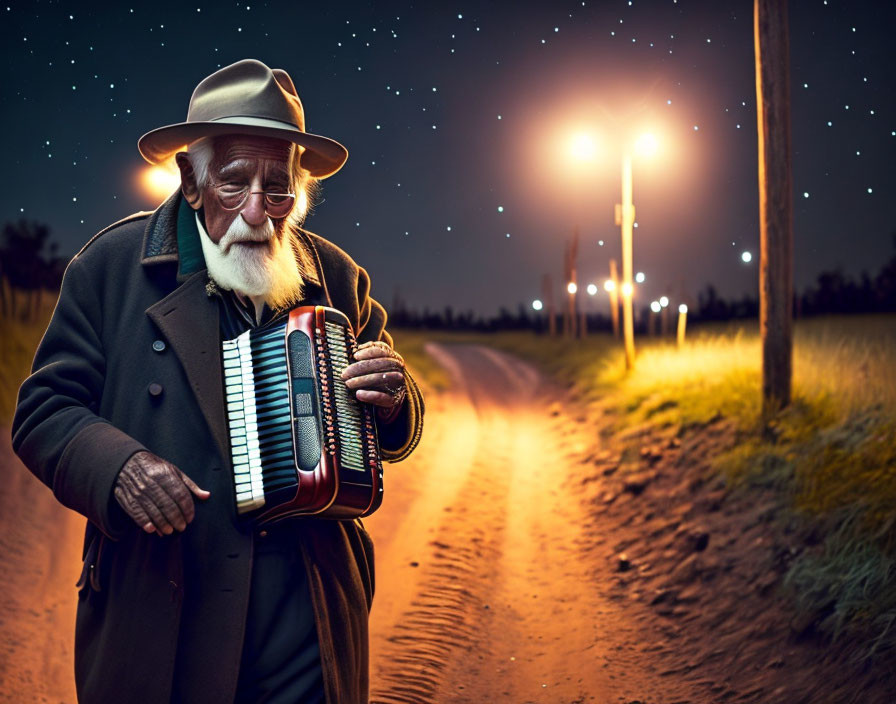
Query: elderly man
x=124 y=418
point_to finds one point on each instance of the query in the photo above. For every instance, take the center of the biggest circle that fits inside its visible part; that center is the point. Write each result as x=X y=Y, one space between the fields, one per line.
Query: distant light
x=655 y=306
x=747 y=257
x=582 y=147
x=537 y=305
x=609 y=285
x=571 y=287
x=500 y=208
x=600 y=242
x=682 y=308
x=639 y=277
x=664 y=301
x=806 y=193
x=159 y=182
x=592 y=289
x=627 y=289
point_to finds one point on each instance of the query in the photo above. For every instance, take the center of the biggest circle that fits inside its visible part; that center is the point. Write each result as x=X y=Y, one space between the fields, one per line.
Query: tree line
x=30 y=265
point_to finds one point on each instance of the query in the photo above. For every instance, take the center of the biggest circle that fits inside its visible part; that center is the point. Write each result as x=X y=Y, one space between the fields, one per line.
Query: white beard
x=266 y=273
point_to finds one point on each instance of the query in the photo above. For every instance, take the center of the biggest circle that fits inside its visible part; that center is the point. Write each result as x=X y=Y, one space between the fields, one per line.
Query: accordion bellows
x=301 y=444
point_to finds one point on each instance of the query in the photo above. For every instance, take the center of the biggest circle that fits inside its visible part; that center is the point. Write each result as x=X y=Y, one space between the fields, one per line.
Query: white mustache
x=241 y=231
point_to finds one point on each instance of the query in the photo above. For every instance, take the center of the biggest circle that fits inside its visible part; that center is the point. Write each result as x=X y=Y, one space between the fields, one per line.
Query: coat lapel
x=189 y=320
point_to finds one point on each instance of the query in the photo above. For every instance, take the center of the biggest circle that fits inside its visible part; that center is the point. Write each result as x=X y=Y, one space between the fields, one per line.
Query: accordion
x=300 y=443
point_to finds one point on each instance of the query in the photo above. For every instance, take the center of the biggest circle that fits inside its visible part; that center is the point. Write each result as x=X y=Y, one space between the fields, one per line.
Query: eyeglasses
x=231 y=197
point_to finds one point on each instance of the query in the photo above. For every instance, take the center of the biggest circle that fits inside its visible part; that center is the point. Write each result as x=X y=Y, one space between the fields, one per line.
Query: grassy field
x=831 y=454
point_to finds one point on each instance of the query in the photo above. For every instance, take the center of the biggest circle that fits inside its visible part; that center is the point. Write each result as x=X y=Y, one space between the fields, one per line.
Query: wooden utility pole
x=547 y=293
x=775 y=201
x=614 y=297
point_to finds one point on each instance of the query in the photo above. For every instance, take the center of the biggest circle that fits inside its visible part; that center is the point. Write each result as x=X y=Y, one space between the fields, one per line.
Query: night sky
x=460 y=188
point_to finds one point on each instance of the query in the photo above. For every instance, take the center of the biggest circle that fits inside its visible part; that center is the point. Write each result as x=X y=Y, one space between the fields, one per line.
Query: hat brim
x=322 y=157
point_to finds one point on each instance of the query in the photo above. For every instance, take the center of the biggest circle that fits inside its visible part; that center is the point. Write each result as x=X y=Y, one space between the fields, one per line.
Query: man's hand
x=377 y=377
x=156 y=494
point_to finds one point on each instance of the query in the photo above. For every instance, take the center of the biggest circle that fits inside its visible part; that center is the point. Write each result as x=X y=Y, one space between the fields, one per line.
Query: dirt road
x=482 y=590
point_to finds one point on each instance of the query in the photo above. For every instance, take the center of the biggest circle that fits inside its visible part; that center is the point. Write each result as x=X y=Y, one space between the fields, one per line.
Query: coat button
x=158 y=346
x=155 y=390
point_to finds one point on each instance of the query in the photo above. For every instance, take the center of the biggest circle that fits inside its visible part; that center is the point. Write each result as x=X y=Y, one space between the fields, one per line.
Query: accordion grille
x=349 y=417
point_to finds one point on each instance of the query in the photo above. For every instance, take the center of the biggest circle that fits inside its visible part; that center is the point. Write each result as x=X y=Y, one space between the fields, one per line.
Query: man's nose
x=253 y=210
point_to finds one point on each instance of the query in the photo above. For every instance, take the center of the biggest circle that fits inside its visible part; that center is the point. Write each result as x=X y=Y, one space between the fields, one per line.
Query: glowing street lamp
x=747 y=257
x=655 y=309
x=537 y=305
x=639 y=277
x=609 y=285
x=572 y=288
x=159 y=182
x=582 y=147
x=664 y=301
x=682 y=323
x=592 y=289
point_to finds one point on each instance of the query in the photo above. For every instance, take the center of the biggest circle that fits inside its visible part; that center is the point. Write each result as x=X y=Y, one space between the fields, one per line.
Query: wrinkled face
x=262 y=164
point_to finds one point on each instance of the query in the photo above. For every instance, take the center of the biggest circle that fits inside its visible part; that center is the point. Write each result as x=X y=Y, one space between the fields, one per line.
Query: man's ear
x=188 y=185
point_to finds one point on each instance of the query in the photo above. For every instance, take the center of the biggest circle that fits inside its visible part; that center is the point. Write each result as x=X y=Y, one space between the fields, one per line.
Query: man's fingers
x=191 y=485
x=373 y=350
x=376 y=398
x=385 y=382
x=132 y=508
x=165 y=501
x=159 y=522
x=179 y=508
x=369 y=366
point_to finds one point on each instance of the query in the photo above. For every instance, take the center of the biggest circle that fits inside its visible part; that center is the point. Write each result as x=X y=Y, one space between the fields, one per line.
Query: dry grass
x=18 y=341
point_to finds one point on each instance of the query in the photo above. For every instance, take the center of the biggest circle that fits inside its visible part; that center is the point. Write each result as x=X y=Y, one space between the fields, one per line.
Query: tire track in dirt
x=502 y=606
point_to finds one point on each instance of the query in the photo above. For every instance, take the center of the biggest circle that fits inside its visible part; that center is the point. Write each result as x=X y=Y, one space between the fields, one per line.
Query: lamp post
x=583 y=149
x=625 y=218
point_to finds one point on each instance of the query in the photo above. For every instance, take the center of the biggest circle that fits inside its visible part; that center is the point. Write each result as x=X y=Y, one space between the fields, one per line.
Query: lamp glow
x=655 y=306
x=592 y=289
x=571 y=287
x=747 y=257
x=682 y=308
x=646 y=145
x=159 y=182
x=639 y=277
x=664 y=301
x=582 y=147
x=627 y=289
x=537 y=305
x=609 y=286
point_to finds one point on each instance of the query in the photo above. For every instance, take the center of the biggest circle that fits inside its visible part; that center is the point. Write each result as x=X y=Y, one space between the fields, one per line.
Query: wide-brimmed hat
x=246 y=98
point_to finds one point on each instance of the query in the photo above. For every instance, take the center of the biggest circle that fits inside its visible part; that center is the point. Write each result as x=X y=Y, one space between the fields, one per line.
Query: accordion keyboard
x=256 y=386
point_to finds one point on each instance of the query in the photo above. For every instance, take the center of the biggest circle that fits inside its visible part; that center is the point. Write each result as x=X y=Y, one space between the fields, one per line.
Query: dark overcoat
x=131 y=361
